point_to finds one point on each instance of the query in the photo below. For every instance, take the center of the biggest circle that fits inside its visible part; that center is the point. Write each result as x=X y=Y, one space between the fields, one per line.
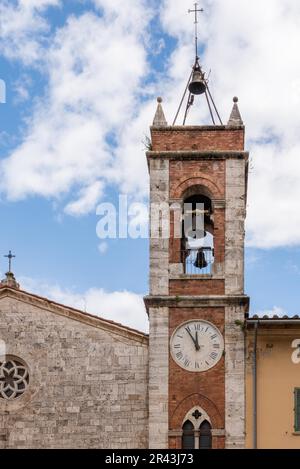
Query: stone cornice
x=73 y=314
x=196 y=277
x=213 y=128
x=198 y=155
x=196 y=301
x=214 y=432
x=280 y=331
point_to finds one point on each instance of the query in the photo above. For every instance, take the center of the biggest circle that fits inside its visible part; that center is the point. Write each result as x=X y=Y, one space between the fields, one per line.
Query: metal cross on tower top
x=10 y=256
x=196 y=11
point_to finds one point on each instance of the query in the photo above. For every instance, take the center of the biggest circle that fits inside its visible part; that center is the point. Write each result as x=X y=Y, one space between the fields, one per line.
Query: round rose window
x=14 y=378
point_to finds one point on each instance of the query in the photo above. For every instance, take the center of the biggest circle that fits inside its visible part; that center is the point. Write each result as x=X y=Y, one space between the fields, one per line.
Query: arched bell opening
x=197 y=242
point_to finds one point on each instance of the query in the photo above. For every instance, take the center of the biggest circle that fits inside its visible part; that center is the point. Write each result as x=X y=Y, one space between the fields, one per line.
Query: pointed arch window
x=205 y=439
x=188 y=439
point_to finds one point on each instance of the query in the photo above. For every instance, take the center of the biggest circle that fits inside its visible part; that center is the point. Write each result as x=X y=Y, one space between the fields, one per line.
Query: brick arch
x=206 y=182
x=191 y=401
x=195 y=189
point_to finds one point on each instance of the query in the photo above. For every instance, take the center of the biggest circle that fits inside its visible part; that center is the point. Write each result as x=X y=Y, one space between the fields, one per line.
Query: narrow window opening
x=188 y=439
x=205 y=435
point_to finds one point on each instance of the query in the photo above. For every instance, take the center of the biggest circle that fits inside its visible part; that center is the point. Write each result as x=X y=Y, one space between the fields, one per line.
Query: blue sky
x=82 y=79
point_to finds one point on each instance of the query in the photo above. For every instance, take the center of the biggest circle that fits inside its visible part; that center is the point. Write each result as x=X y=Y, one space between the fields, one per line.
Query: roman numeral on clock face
x=213 y=355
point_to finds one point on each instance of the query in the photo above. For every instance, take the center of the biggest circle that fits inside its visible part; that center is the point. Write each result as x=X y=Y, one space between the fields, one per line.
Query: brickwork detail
x=198 y=138
x=196 y=287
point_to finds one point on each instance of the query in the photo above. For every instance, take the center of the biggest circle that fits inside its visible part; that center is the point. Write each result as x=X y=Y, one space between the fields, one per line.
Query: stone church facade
x=72 y=380
x=87 y=378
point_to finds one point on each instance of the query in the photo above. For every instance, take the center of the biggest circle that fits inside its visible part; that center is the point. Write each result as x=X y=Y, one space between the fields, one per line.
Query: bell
x=200 y=262
x=197 y=85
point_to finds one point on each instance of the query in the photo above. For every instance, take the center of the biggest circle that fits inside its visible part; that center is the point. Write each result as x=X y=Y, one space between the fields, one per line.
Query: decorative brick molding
x=185 y=184
x=197 y=155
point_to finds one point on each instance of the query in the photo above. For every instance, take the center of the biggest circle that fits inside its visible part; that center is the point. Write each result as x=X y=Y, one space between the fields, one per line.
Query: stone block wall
x=235 y=225
x=159 y=245
x=158 y=378
x=88 y=384
x=235 y=377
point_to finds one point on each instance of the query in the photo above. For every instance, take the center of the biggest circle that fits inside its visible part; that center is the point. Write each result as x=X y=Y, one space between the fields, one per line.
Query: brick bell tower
x=196 y=304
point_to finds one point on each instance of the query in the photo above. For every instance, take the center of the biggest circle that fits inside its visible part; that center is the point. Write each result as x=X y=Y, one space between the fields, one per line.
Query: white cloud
x=102 y=247
x=275 y=311
x=87 y=201
x=23 y=28
x=90 y=125
x=21 y=89
x=90 y=101
x=131 y=15
x=123 y=307
x=2 y=91
x=274 y=194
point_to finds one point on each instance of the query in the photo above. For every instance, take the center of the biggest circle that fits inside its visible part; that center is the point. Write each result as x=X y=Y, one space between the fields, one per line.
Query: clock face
x=197 y=345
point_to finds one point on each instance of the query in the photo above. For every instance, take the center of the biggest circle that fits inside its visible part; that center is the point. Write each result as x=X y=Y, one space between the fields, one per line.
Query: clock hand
x=196 y=342
x=188 y=331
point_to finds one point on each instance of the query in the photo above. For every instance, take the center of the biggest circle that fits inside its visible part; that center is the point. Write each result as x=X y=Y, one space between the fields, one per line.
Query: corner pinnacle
x=235 y=118
x=159 y=118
